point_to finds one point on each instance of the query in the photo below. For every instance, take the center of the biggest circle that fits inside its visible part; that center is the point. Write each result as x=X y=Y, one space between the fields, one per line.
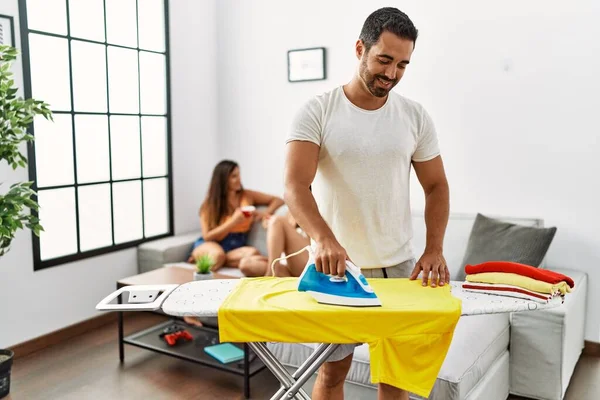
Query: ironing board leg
x=310 y=370
x=277 y=369
x=311 y=359
x=291 y=385
x=308 y=363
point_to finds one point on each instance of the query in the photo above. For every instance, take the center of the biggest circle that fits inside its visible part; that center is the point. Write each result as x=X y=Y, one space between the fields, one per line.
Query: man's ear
x=360 y=48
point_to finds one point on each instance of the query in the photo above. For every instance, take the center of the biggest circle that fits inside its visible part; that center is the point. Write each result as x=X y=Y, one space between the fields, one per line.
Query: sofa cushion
x=154 y=254
x=495 y=240
x=470 y=355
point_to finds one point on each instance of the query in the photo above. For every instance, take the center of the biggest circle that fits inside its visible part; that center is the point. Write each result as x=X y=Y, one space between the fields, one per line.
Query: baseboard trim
x=591 y=349
x=61 y=335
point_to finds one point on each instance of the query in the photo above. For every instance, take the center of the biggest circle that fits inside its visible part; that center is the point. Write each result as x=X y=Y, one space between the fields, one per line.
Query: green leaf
x=17 y=206
x=30 y=203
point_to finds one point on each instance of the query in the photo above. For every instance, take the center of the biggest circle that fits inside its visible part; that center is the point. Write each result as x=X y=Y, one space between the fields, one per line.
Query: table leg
x=120 y=328
x=246 y=371
x=121 y=349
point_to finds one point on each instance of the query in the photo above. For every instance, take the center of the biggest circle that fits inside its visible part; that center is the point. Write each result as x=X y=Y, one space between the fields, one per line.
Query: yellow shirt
x=408 y=336
x=525 y=282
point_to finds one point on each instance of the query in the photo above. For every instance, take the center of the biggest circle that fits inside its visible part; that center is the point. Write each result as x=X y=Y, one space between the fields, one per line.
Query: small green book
x=225 y=352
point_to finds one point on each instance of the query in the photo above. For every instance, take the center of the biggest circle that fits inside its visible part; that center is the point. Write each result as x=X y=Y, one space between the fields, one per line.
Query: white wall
x=194 y=90
x=35 y=303
x=512 y=87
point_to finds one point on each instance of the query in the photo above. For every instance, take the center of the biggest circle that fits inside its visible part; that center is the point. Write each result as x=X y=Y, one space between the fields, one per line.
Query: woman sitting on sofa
x=225 y=227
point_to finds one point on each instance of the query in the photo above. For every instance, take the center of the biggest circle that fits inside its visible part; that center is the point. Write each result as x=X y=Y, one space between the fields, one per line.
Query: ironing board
x=203 y=299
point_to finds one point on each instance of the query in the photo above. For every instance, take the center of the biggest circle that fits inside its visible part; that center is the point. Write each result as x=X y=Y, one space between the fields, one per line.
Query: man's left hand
x=432 y=262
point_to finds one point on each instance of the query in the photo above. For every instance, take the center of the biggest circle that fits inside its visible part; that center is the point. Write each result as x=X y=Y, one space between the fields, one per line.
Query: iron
x=351 y=290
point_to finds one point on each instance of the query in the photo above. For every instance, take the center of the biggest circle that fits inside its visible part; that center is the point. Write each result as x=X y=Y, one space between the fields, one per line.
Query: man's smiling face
x=383 y=65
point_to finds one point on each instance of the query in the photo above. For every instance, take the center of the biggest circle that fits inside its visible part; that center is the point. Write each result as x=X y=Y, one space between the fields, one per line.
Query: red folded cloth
x=521 y=269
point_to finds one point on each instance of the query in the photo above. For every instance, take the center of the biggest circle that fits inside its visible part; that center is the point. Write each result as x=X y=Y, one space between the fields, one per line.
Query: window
x=102 y=169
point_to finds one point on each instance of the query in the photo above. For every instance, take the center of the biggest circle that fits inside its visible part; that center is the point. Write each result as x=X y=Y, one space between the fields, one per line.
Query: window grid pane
x=50 y=80
x=95 y=218
x=154 y=146
x=151 y=26
x=123 y=80
x=89 y=76
x=47 y=16
x=86 y=19
x=125 y=147
x=153 y=75
x=113 y=145
x=93 y=152
x=59 y=219
x=121 y=22
x=54 y=151
x=156 y=207
x=127 y=211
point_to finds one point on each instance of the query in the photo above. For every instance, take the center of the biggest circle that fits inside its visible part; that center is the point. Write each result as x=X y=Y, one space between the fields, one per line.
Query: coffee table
x=192 y=351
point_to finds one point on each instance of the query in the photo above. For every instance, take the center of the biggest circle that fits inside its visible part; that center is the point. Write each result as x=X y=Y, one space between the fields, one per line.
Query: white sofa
x=527 y=354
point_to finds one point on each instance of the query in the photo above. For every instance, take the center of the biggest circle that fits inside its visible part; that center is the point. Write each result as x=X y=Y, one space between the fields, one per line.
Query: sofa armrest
x=546 y=345
x=154 y=254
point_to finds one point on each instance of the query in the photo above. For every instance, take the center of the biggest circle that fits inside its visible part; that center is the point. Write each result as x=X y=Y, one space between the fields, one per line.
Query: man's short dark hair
x=387 y=19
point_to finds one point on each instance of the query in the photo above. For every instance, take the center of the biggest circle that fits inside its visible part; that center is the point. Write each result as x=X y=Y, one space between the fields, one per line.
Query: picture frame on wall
x=306 y=64
x=7 y=30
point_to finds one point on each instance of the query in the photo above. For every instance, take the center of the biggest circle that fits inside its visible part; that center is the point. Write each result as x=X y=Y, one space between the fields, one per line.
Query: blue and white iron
x=352 y=290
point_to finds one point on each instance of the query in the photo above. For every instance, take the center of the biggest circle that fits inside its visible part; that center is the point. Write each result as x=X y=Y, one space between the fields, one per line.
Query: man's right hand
x=330 y=257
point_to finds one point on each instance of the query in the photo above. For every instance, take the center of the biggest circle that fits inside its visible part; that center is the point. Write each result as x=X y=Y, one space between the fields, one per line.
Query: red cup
x=248 y=211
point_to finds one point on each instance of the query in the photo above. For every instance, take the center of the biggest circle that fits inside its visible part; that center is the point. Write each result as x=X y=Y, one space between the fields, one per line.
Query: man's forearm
x=437 y=209
x=303 y=208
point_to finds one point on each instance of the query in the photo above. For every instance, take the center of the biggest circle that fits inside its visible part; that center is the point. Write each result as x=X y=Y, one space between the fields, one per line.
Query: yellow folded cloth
x=521 y=281
x=408 y=336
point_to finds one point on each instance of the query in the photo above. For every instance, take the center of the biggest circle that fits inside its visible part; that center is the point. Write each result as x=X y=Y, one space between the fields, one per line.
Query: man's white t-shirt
x=362 y=182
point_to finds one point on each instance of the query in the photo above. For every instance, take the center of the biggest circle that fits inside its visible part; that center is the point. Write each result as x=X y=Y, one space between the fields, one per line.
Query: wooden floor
x=88 y=368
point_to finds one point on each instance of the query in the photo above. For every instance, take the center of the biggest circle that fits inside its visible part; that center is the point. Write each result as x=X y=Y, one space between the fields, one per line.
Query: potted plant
x=203 y=268
x=16 y=115
x=6 y=357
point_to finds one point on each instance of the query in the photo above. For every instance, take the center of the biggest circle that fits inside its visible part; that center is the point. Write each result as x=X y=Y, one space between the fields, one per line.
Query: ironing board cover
x=203 y=299
x=408 y=339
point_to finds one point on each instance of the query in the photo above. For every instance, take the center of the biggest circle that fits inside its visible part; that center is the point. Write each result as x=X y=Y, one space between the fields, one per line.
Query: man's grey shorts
x=402 y=270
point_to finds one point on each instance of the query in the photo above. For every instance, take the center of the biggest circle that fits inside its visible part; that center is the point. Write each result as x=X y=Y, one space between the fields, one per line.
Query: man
x=347 y=174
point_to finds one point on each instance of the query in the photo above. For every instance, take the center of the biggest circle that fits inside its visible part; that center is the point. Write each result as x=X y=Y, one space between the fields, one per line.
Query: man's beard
x=370 y=81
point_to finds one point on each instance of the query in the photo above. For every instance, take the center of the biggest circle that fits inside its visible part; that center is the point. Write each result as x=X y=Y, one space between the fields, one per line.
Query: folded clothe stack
x=513 y=279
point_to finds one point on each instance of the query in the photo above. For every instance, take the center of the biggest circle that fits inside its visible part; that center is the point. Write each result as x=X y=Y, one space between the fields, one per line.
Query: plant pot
x=202 y=277
x=6 y=360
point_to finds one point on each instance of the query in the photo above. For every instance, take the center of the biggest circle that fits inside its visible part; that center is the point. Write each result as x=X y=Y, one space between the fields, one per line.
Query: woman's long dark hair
x=215 y=205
